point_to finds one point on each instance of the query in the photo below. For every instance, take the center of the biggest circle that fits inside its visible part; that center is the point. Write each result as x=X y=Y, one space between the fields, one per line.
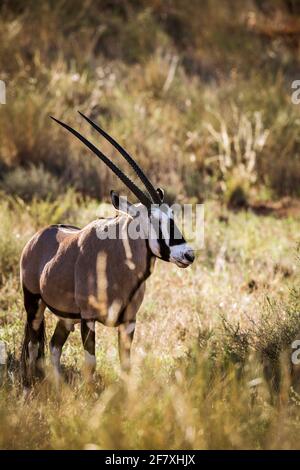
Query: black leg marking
x=88 y=341
x=57 y=342
x=60 y=335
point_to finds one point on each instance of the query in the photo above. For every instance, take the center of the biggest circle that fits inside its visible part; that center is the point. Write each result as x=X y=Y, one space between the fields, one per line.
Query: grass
x=186 y=92
x=203 y=336
x=200 y=94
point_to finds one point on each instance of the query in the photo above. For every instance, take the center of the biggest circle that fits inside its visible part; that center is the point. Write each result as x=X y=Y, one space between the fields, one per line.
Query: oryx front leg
x=60 y=336
x=88 y=341
x=125 y=335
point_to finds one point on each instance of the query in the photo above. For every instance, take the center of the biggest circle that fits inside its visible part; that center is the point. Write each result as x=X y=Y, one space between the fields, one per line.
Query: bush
x=178 y=85
x=32 y=182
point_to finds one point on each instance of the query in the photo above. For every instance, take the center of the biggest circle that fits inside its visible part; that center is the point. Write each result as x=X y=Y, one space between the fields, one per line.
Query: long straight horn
x=127 y=181
x=147 y=183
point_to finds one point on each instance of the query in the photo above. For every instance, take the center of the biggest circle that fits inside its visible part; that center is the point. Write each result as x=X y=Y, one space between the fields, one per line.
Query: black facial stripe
x=174 y=238
x=178 y=240
x=164 y=250
x=163 y=247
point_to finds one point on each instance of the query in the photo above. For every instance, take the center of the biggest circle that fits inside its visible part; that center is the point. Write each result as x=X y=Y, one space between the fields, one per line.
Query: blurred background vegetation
x=199 y=92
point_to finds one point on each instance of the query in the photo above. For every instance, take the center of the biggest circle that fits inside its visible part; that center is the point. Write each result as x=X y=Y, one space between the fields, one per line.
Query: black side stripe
x=36 y=297
x=164 y=248
x=59 y=313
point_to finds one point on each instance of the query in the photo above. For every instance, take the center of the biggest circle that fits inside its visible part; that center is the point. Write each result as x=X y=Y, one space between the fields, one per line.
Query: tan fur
x=76 y=272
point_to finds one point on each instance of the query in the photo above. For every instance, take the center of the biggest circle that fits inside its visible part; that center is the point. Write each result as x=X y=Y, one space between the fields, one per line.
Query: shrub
x=32 y=182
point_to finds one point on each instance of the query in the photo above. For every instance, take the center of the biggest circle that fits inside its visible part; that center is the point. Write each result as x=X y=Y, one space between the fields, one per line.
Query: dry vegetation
x=210 y=118
x=203 y=336
x=188 y=93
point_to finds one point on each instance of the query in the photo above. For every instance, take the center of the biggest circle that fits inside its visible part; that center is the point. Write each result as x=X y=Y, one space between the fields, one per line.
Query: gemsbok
x=86 y=275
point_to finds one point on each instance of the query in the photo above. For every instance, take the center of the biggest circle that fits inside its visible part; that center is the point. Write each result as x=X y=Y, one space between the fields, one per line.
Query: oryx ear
x=161 y=193
x=120 y=202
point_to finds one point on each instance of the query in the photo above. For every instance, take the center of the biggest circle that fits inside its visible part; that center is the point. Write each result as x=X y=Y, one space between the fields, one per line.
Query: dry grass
x=203 y=334
x=183 y=86
x=187 y=93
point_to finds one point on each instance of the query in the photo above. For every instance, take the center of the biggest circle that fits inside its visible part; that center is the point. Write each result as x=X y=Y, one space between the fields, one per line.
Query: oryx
x=83 y=276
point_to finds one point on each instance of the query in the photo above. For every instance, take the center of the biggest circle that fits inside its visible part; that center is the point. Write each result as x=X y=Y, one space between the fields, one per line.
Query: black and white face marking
x=159 y=227
x=165 y=239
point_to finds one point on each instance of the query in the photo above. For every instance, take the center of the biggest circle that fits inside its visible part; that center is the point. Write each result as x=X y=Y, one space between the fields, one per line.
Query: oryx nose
x=189 y=256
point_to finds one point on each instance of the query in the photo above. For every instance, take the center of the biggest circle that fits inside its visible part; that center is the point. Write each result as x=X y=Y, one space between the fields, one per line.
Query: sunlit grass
x=202 y=337
x=202 y=118
x=199 y=93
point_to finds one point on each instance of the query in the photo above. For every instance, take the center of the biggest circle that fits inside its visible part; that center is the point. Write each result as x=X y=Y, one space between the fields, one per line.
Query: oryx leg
x=125 y=336
x=127 y=328
x=60 y=336
x=33 y=349
x=88 y=341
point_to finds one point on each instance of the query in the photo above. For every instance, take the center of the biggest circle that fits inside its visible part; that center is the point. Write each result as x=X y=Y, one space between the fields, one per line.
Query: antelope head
x=156 y=218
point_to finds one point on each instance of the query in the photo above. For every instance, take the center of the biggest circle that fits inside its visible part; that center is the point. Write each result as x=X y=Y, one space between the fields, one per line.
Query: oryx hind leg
x=60 y=336
x=33 y=349
x=88 y=341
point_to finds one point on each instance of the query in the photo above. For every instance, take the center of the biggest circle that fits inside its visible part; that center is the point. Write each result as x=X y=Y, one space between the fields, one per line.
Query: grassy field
x=200 y=93
x=209 y=342
x=182 y=86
